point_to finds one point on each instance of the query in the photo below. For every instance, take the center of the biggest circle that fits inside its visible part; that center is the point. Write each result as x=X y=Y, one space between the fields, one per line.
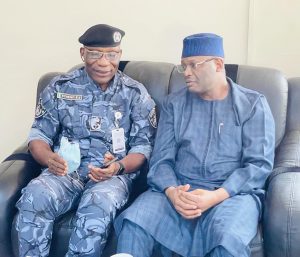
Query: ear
x=219 y=64
x=82 y=53
x=120 y=53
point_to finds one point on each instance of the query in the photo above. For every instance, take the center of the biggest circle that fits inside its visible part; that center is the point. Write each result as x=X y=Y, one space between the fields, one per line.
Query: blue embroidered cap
x=203 y=44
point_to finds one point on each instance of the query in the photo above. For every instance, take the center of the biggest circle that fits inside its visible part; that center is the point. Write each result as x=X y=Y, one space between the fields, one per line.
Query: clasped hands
x=58 y=166
x=191 y=204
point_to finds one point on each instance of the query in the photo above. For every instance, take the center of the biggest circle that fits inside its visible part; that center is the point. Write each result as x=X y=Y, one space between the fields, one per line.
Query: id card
x=118 y=140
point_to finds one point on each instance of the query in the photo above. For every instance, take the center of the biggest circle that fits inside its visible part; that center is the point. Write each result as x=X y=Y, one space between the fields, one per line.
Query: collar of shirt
x=244 y=100
x=112 y=84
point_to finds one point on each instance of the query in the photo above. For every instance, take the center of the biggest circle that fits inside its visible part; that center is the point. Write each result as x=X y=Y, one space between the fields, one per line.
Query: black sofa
x=279 y=232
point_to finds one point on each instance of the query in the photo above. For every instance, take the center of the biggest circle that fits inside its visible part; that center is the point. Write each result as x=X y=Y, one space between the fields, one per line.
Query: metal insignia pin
x=220 y=127
x=118 y=115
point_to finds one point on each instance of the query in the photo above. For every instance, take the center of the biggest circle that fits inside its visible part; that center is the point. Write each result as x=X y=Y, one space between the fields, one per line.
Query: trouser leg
x=135 y=240
x=44 y=198
x=232 y=223
x=96 y=211
x=165 y=252
x=220 y=251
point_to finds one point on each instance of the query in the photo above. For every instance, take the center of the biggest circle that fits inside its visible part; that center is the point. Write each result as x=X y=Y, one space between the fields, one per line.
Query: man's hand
x=204 y=199
x=187 y=209
x=57 y=165
x=44 y=155
x=100 y=174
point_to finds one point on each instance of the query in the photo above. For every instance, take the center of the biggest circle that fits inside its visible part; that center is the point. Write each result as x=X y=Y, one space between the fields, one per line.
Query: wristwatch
x=121 y=170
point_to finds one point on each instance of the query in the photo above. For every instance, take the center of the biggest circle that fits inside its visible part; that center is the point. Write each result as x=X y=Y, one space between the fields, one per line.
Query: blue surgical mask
x=70 y=152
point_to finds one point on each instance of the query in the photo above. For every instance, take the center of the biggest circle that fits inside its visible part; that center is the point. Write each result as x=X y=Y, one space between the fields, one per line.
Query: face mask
x=70 y=152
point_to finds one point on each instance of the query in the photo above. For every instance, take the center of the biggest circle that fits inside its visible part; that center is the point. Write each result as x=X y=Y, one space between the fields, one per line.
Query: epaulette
x=130 y=82
x=67 y=76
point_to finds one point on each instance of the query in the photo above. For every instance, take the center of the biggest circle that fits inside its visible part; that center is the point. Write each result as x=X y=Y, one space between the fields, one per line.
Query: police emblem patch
x=117 y=37
x=39 y=110
x=95 y=123
x=152 y=118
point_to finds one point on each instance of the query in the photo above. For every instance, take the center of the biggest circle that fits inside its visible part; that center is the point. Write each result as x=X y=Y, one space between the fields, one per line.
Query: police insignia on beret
x=117 y=36
x=102 y=35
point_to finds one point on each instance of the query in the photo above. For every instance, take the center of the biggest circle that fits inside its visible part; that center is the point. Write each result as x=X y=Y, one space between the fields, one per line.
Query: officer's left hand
x=100 y=174
x=97 y=174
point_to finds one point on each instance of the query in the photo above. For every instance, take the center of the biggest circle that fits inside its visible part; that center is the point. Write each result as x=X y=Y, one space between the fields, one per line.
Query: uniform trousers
x=48 y=196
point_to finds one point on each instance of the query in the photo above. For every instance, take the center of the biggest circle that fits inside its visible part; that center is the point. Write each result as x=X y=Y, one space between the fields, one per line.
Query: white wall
x=274 y=36
x=41 y=36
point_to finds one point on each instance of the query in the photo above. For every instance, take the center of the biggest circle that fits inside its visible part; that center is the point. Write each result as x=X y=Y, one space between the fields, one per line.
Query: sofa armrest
x=15 y=173
x=282 y=213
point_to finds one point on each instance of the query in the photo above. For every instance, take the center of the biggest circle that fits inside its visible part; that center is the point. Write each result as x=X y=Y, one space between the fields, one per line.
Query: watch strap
x=121 y=169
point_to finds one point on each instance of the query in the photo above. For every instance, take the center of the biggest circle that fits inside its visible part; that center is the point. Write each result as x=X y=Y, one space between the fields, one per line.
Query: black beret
x=102 y=35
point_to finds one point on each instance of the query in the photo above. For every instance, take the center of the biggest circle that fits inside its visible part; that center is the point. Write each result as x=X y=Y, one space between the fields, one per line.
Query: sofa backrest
x=154 y=75
x=287 y=154
x=161 y=78
x=293 y=118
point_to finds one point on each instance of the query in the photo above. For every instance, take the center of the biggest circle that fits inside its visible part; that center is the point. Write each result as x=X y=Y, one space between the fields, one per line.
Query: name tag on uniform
x=118 y=140
x=68 y=96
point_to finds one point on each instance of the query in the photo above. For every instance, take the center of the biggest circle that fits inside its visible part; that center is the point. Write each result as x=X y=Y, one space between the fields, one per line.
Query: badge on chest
x=118 y=140
x=118 y=135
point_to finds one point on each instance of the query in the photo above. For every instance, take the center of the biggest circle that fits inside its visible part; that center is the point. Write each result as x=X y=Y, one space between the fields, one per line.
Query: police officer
x=93 y=130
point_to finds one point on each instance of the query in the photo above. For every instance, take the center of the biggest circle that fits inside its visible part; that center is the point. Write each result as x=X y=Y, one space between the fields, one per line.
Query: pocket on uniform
x=74 y=120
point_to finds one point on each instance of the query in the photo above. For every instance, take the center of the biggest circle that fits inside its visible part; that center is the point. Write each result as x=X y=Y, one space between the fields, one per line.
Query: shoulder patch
x=39 y=110
x=152 y=118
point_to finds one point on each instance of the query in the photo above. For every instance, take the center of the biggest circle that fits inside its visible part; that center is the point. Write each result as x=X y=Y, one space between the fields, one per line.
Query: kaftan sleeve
x=162 y=162
x=257 y=153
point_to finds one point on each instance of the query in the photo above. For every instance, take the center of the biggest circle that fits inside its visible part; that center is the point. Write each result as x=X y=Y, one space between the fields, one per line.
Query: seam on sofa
x=290 y=217
x=4 y=171
x=169 y=82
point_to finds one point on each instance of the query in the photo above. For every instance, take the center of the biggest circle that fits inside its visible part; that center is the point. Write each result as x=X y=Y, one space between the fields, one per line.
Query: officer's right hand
x=57 y=165
x=188 y=210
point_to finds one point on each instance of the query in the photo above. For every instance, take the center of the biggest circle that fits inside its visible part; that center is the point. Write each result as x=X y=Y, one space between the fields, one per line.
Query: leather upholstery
x=282 y=213
x=281 y=224
x=14 y=175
